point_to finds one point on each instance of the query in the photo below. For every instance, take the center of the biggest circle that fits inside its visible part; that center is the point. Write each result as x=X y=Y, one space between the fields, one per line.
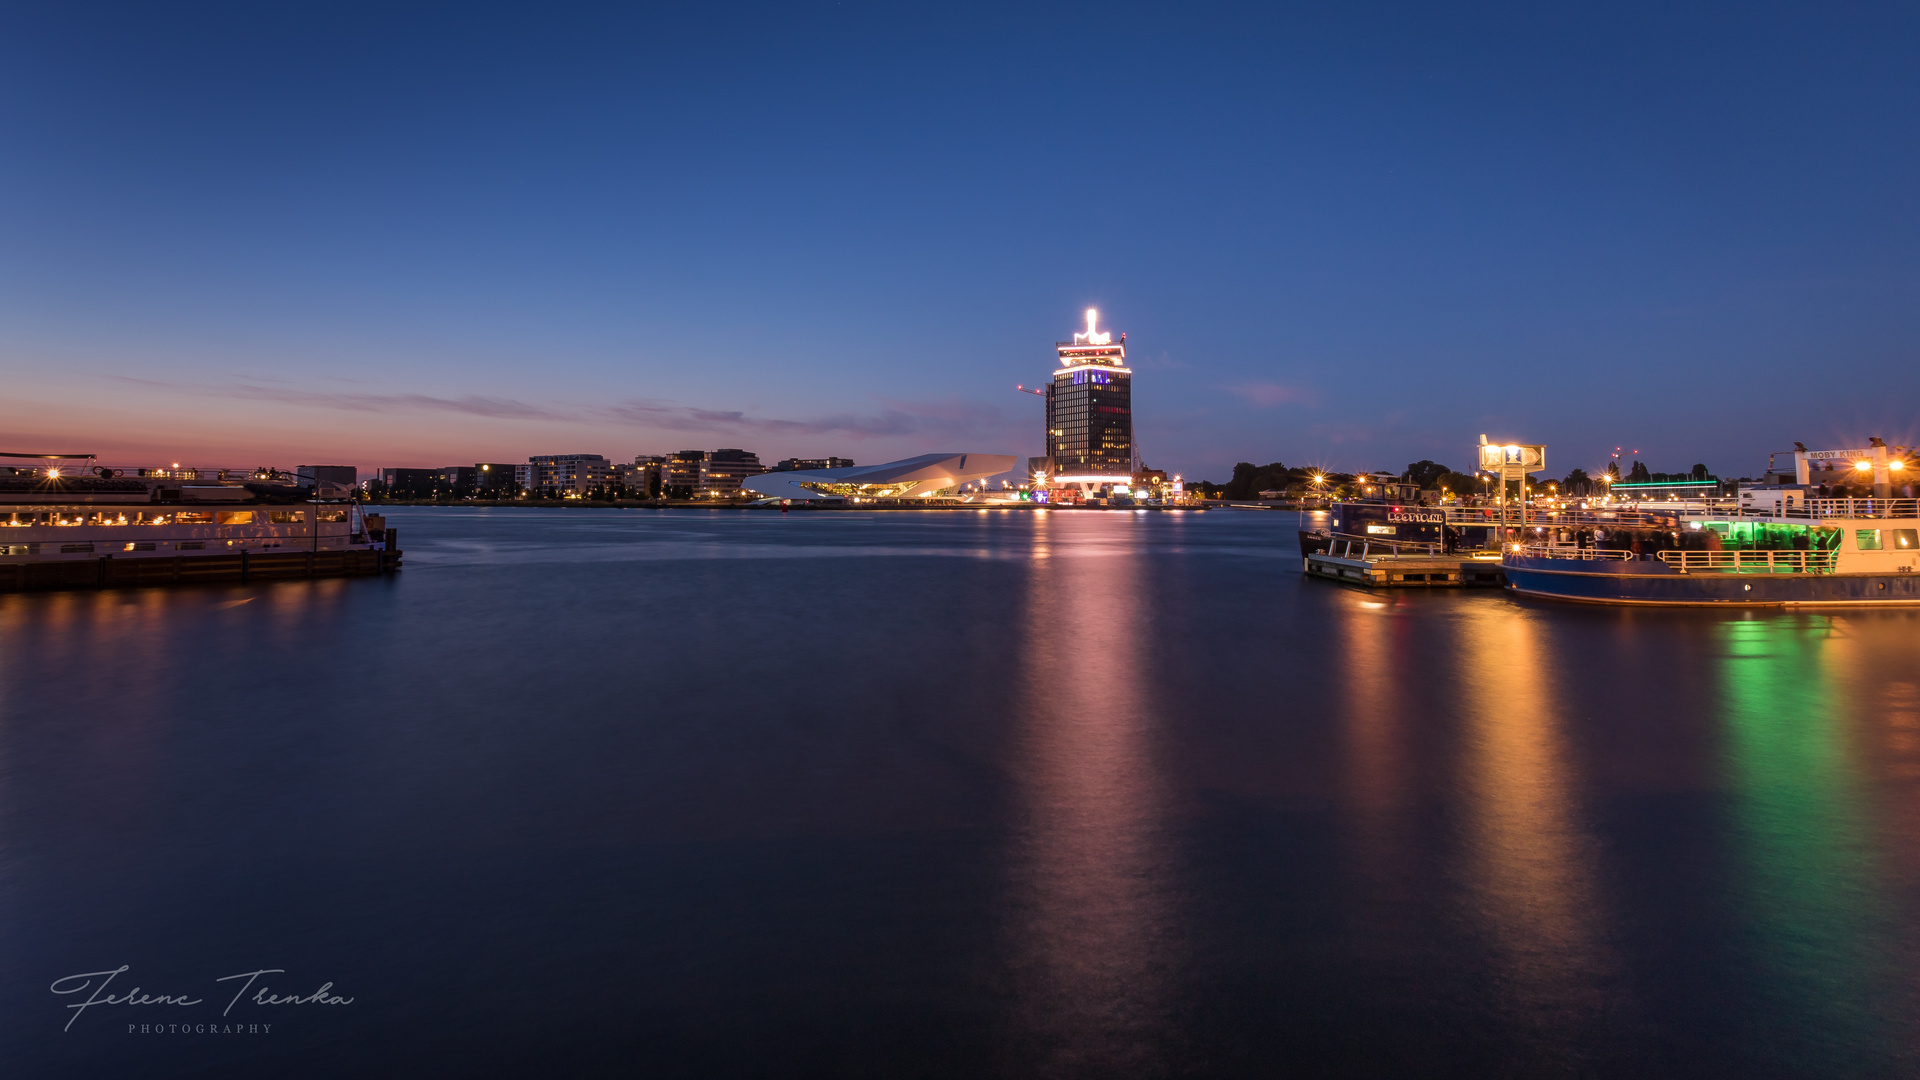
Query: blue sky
x=398 y=235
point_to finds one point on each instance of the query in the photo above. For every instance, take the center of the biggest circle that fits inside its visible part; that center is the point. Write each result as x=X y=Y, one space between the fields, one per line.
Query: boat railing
x=1617 y=518
x=1570 y=551
x=1621 y=517
x=1811 y=509
x=1749 y=561
x=1692 y=510
x=1350 y=546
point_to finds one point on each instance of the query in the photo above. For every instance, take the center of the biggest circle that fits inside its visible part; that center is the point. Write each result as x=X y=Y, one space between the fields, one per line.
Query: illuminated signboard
x=1495 y=458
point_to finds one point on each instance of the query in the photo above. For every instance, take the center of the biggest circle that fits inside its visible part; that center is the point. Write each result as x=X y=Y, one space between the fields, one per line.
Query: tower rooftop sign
x=1093 y=348
x=1090 y=405
x=1091 y=337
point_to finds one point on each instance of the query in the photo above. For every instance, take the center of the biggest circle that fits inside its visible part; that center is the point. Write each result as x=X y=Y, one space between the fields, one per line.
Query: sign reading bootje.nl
x=250 y=994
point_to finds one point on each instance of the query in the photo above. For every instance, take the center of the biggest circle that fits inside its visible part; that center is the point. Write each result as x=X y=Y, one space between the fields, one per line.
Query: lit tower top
x=1094 y=347
x=1090 y=405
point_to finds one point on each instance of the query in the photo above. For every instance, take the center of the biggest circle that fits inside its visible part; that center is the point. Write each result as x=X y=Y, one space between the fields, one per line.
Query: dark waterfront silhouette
x=951 y=794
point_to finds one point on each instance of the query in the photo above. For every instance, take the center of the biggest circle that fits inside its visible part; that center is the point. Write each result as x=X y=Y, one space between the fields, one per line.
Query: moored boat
x=69 y=523
x=1783 y=551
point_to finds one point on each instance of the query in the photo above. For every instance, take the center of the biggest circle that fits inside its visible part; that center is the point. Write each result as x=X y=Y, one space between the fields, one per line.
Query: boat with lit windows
x=68 y=522
x=1772 y=547
x=1391 y=513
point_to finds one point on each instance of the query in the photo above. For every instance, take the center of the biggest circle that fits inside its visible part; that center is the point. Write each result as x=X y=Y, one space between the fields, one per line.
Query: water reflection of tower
x=1091 y=873
x=1090 y=408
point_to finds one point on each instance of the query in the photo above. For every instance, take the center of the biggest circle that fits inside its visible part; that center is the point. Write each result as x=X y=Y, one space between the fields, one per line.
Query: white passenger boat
x=67 y=522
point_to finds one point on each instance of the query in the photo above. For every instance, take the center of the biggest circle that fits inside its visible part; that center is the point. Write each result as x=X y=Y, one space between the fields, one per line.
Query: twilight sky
x=419 y=236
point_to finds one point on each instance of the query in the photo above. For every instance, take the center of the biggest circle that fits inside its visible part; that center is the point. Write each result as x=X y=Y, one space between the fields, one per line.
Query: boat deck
x=1389 y=571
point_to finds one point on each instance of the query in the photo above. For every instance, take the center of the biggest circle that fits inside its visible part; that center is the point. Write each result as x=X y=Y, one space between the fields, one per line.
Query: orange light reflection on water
x=1529 y=860
x=1377 y=776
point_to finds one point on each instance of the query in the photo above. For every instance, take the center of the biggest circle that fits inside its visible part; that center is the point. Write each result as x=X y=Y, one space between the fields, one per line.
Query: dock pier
x=1390 y=565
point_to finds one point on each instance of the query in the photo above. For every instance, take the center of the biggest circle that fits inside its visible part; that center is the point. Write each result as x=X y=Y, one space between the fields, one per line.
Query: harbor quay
x=672 y=541
x=1842 y=528
x=1818 y=527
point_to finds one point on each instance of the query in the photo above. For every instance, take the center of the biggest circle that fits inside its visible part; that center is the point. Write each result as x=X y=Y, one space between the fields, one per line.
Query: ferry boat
x=70 y=523
x=1774 y=547
x=1391 y=514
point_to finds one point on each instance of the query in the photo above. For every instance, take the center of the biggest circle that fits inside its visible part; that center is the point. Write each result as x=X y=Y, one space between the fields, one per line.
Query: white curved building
x=911 y=478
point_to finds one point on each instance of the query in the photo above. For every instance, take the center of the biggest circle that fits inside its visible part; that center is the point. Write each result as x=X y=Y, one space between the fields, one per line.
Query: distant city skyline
x=416 y=237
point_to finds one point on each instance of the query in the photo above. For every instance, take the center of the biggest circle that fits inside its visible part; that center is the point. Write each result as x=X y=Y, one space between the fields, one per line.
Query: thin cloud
x=1268 y=395
x=689 y=418
x=497 y=408
x=1163 y=362
x=892 y=419
x=895 y=419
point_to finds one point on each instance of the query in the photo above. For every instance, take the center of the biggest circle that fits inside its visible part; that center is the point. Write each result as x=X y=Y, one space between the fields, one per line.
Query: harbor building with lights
x=1090 y=411
x=709 y=474
x=924 y=477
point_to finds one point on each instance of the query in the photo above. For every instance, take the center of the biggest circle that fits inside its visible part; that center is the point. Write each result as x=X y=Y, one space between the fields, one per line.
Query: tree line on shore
x=1299 y=481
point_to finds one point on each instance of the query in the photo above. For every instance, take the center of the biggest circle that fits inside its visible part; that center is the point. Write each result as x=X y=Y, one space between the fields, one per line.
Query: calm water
x=949 y=794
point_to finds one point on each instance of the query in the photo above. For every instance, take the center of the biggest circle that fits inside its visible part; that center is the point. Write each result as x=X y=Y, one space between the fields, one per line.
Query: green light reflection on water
x=1807 y=874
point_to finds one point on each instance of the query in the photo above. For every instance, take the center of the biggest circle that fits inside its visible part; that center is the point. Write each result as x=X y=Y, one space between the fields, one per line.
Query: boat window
x=1905 y=539
x=191 y=545
x=286 y=517
x=1826 y=539
x=1867 y=539
x=194 y=517
x=19 y=549
x=333 y=515
x=144 y=517
x=235 y=517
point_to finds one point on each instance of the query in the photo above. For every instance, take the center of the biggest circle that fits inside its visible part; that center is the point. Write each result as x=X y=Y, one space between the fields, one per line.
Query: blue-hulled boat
x=1773 y=548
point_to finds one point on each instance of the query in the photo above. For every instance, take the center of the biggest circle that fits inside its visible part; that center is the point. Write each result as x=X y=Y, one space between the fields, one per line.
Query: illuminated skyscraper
x=1090 y=407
